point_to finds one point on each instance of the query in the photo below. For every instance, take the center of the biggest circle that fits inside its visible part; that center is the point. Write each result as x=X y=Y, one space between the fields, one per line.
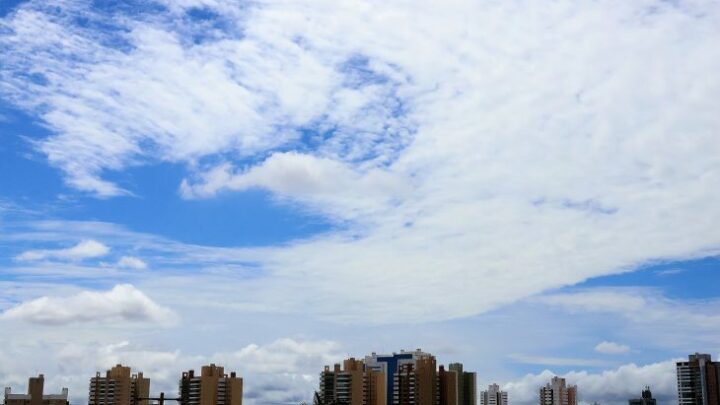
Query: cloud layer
x=498 y=148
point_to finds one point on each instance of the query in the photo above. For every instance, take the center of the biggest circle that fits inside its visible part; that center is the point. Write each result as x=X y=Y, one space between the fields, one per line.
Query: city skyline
x=404 y=378
x=528 y=188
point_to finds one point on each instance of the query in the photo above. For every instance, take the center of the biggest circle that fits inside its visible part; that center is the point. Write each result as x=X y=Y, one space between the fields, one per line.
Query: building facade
x=211 y=387
x=645 y=399
x=698 y=380
x=352 y=384
x=416 y=383
x=35 y=394
x=556 y=392
x=405 y=378
x=119 y=387
x=494 y=396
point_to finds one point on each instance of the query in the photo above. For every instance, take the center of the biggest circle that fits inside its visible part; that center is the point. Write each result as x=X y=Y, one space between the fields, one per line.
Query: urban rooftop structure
x=35 y=395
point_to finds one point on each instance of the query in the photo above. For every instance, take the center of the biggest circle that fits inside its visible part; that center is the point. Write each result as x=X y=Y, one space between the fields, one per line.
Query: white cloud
x=607 y=387
x=122 y=303
x=320 y=182
x=130 y=262
x=286 y=356
x=85 y=249
x=612 y=348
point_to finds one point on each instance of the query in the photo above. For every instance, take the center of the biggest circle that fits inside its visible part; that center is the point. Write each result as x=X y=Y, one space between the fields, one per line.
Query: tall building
x=698 y=380
x=352 y=384
x=645 y=399
x=119 y=387
x=374 y=389
x=494 y=396
x=405 y=378
x=416 y=383
x=35 y=394
x=557 y=393
x=390 y=366
x=211 y=387
x=467 y=383
x=457 y=386
x=448 y=387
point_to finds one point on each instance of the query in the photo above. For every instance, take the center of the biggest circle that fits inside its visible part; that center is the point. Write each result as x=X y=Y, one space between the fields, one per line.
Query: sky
x=529 y=188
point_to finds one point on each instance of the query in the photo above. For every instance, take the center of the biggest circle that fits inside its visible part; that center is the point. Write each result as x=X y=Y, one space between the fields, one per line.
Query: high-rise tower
x=494 y=396
x=698 y=380
x=119 y=387
x=557 y=393
x=211 y=387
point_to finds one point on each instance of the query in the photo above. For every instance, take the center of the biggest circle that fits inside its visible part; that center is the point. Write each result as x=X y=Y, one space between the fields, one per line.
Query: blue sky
x=527 y=188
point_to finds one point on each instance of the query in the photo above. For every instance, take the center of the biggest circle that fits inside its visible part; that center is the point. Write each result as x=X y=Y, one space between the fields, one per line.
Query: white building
x=493 y=396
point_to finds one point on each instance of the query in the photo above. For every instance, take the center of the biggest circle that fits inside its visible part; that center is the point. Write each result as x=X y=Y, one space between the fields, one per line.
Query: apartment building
x=405 y=378
x=211 y=387
x=119 y=386
x=698 y=380
x=556 y=392
x=494 y=396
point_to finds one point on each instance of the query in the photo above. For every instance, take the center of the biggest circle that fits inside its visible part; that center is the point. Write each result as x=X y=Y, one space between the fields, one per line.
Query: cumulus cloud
x=323 y=183
x=607 y=387
x=286 y=356
x=130 y=262
x=85 y=249
x=612 y=348
x=122 y=303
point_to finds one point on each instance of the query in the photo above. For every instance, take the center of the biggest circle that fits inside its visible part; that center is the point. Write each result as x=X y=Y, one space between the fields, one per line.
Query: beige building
x=119 y=387
x=351 y=385
x=556 y=392
x=35 y=394
x=211 y=387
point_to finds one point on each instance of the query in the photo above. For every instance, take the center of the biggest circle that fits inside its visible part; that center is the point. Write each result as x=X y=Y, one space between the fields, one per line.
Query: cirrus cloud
x=85 y=249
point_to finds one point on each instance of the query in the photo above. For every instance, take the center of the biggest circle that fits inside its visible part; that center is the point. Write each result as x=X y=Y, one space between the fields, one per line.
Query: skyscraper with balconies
x=211 y=387
x=556 y=392
x=494 y=396
x=119 y=387
x=698 y=380
x=352 y=384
